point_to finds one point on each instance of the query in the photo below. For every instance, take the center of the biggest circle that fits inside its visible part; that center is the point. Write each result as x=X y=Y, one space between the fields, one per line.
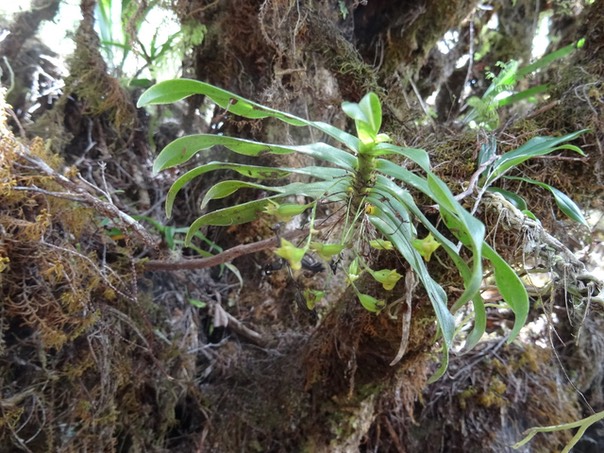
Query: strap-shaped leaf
x=417 y=155
x=567 y=206
x=225 y=188
x=529 y=94
x=251 y=171
x=564 y=202
x=390 y=189
x=370 y=104
x=546 y=60
x=257 y=172
x=325 y=173
x=512 y=197
x=183 y=148
x=248 y=212
x=511 y=288
x=480 y=323
x=233 y=215
x=349 y=140
x=367 y=115
x=402 y=174
x=387 y=224
x=393 y=193
x=537 y=146
x=389 y=200
x=467 y=228
x=328 y=153
x=170 y=91
x=313 y=190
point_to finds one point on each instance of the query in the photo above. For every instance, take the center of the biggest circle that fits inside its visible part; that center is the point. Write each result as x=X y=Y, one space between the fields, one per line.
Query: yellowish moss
x=529 y=359
x=465 y=395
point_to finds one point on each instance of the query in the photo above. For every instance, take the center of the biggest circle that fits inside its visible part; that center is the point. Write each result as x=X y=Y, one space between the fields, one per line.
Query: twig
x=474 y=179
x=223 y=257
x=470 y=61
x=421 y=101
x=83 y=196
x=245 y=332
x=63 y=195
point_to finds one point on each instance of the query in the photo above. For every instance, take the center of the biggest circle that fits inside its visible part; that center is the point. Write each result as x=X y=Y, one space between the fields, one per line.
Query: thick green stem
x=364 y=179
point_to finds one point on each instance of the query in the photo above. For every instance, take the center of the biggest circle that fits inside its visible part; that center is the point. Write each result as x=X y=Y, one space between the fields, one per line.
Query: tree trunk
x=119 y=360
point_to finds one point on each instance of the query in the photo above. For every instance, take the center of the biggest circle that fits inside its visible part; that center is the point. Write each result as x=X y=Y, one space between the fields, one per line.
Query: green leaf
x=247 y=212
x=233 y=215
x=351 y=142
x=512 y=197
x=327 y=153
x=315 y=190
x=528 y=94
x=371 y=106
x=233 y=269
x=564 y=202
x=468 y=229
x=325 y=173
x=386 y=189
x=396 y=171
x=511 y=288
x=225 y=188
x=546 y=60
x=184 y=148
x=198 y=303
x=170 y=91
x=251 y=171
x=537 y=146
x=416 y=155
x=480 y=323
x=388 y=225
x=140 y=83
x=367 y=115
x=354 y=111
x=568 y=206
x=531 y=215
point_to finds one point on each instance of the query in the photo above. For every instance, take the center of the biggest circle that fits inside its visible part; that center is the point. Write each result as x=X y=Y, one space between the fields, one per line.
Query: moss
x=494 y=395
x=79 y=367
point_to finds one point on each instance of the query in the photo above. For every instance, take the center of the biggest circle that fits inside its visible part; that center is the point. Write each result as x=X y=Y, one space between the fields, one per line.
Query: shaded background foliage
x=99 y=355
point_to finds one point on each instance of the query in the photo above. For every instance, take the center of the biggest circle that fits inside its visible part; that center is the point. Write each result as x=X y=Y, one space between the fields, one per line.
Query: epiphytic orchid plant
x=362 y=175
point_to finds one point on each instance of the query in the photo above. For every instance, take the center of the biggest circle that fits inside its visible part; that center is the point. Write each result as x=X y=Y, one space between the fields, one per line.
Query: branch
x=79 y=193
x=223 y=257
